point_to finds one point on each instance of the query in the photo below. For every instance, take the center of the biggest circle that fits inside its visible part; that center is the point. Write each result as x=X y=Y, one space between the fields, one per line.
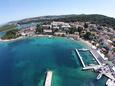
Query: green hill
x=7 y=28
x=94 y=18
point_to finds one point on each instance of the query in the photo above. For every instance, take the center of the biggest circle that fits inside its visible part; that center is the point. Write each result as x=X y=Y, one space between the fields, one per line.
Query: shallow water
x=25 y=62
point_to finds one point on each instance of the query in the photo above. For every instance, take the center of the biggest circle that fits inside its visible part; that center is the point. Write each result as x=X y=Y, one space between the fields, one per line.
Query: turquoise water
x=25 y=62
x=88 y=58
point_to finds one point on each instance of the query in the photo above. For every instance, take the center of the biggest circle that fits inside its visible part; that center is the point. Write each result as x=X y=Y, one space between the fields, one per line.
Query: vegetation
x=72 y=30
x=80 y=29
x=10 y=34
x=85 y=25
x=6 y=28
x=87 y=36
x=39 y=29
x=95 y=18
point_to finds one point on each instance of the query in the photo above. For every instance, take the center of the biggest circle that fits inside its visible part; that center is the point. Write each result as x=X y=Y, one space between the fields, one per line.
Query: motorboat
x=99 y=76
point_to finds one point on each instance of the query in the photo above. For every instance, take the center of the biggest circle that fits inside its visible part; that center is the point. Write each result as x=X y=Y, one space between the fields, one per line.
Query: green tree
x=80 y=29
x=10 y=34
x=39 y=29
x=72 y=30
x=85 y=25
x=87 y=36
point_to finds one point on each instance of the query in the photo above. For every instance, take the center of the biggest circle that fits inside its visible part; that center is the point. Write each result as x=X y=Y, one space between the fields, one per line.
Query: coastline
x=22 y=37
x=8 y=40
x=86 y=42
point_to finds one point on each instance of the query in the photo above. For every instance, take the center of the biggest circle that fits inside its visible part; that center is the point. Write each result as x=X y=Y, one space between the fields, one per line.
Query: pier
x=110 y=82
x=80 y=58
x=48 y=78
x=95 y=67
x=105 y=70
x=95 y=57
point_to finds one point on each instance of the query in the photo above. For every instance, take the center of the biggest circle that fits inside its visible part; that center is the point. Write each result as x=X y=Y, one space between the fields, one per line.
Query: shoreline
x=22 y=37
x=86 y=42
x=10 y=40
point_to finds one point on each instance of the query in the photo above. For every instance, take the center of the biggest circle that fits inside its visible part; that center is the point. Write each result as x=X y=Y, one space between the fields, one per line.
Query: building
x=47 y=31
x=60 y=25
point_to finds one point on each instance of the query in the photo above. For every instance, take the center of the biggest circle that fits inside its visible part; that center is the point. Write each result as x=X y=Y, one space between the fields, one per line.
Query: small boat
x=99 y=76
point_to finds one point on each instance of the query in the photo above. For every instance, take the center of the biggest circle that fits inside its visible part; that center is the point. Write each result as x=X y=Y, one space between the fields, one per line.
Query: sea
x=25 y=63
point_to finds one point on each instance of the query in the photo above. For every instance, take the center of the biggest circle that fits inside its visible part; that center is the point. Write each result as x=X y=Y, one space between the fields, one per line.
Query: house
x=60 y=33
x=46 y=26
x=47 y=31
x=60 y=25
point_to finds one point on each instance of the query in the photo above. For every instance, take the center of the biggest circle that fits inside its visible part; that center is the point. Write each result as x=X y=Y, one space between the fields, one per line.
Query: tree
x=72 y=30
x=85 y=25
x=87 y=36
x=39 y=29
x=80 y=29
x=10 y=34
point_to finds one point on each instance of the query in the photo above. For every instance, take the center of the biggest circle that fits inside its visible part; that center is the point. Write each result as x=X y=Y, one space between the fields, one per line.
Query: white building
x=62 y=25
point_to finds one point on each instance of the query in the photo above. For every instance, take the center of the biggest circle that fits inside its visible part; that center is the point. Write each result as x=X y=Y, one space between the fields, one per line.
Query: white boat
x=99 y=76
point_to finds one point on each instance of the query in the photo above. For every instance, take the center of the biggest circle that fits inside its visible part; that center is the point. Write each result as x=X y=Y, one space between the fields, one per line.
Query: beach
x=86 y=42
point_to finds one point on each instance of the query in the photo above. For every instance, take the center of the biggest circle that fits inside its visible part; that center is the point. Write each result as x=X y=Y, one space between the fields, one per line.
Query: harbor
x=62 y=62
x=88 y=66
x=101 y=69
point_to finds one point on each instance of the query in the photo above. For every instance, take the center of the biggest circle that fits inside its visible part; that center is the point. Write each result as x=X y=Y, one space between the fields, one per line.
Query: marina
x=88 y=66
x=103 y=70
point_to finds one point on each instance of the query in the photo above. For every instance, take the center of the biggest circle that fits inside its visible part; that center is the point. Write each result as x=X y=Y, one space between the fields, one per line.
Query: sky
x=11 y=10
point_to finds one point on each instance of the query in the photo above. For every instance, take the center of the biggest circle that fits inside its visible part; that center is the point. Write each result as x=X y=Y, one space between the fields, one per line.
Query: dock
x=95 y=67
x=95 y=57
x=48 y=78
x=108 y=74
x=80 y=58
x=110 y=82
x=104 y=70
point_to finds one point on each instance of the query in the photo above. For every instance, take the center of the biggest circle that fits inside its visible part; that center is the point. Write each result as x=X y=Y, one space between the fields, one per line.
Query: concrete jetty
x=110 y=83
x=48 y=78
x=95 y=57
x=80 y=58
x=95 y=67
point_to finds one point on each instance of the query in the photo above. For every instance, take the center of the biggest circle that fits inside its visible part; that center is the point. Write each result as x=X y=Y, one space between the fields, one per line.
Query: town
x=101 y=38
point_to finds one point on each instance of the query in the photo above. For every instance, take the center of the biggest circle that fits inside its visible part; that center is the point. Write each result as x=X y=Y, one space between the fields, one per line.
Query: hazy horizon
x=12 y=10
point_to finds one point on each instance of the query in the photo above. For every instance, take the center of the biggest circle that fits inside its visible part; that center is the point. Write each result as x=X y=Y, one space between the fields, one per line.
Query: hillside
x=94 y=18
x=7 y=28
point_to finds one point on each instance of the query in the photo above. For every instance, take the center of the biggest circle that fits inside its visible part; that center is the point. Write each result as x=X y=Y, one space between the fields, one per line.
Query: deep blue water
x=25 y=62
